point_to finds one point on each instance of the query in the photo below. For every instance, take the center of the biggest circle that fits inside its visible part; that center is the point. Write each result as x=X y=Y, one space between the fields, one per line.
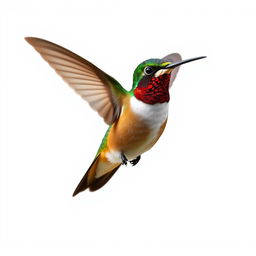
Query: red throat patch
x=156 y=91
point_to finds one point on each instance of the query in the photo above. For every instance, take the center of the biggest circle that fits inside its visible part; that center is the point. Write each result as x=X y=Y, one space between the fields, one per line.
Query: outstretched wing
x=174 y=57
x=100 y=90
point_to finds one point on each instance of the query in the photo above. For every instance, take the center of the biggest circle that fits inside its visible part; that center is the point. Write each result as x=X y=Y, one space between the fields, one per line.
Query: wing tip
x=175 y=57
x=30 y=39
x=35 y=40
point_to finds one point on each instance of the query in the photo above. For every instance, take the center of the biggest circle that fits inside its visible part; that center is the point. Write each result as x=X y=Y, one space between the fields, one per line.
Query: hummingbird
x=136 y=118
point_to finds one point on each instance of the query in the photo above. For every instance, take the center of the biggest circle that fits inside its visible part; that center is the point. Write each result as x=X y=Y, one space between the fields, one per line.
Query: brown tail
x=90 y=181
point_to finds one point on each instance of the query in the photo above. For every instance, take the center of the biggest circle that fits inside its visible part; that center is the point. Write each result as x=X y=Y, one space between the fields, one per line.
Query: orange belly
x=130 y=135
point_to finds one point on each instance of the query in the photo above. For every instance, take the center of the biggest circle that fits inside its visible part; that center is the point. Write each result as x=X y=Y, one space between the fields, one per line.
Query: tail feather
x=101 y=181
x=85 y=181
x=90 y=181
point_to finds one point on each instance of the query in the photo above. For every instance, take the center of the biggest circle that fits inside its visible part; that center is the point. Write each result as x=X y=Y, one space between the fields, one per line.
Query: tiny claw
x=124 y=159
x=135 y=161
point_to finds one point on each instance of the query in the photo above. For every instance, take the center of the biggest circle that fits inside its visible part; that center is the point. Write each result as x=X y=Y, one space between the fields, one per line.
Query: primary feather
x=101 y=91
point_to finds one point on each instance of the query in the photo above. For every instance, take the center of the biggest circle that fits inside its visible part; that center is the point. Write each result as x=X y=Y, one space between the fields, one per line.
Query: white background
x=194 y=193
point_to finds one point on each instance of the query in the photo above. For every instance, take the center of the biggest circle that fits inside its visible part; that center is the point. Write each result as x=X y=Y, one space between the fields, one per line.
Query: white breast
x=154 y=115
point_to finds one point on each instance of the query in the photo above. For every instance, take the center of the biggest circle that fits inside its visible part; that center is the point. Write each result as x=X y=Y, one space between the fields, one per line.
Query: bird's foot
x=124 y=159
x=135 y=161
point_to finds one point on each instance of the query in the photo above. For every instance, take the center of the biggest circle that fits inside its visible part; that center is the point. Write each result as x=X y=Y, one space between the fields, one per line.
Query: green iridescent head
x=148 y=68
x=157 y=67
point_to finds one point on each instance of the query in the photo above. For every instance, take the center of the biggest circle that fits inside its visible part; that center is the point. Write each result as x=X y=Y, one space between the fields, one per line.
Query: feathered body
x=136 y=118
x=135 y=132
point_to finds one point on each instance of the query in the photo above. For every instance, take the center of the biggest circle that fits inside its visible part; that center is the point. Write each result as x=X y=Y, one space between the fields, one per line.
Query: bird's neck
x=156 y=90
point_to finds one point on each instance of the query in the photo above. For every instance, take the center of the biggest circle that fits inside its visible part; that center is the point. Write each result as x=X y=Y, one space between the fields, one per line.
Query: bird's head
x=153 y=78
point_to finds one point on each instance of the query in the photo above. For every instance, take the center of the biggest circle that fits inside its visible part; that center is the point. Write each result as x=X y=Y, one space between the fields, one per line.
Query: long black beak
x=176 y=64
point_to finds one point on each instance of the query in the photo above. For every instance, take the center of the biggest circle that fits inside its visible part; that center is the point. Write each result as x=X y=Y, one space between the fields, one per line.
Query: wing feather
x=174 y=57
x=91 y=93
x=102 y=92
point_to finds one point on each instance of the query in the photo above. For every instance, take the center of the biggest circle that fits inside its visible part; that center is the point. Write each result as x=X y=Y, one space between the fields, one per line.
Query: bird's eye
x=148 y=70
